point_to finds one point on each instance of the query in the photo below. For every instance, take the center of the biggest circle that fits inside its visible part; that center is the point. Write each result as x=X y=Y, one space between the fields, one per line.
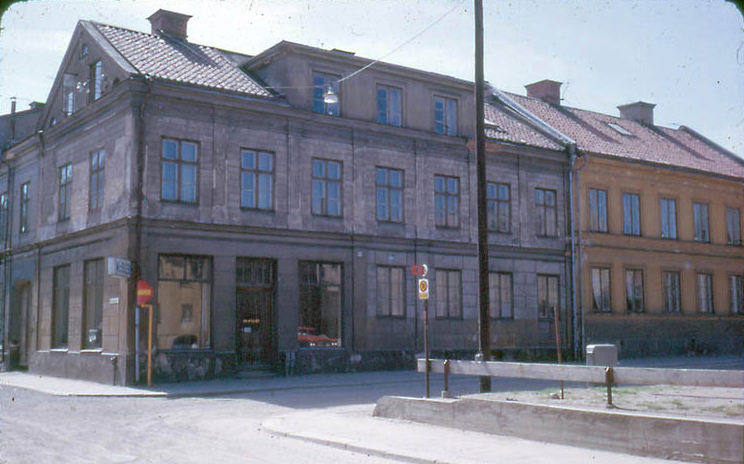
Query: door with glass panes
x=255 y=296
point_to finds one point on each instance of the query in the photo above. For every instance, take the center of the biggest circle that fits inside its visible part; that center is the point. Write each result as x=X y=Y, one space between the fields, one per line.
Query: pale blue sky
x=685 y=56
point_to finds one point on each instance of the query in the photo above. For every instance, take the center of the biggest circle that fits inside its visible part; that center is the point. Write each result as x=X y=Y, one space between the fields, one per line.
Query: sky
x=687 y=57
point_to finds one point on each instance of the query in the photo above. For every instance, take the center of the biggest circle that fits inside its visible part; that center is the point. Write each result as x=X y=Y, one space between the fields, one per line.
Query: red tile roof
x=594 y=135
x=180 y=61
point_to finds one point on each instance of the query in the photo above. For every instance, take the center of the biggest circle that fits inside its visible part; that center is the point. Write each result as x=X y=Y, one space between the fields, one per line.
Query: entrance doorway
x=255 y=295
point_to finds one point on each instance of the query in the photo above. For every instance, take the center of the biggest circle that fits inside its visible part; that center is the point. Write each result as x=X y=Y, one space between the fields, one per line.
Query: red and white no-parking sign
x=423 y=288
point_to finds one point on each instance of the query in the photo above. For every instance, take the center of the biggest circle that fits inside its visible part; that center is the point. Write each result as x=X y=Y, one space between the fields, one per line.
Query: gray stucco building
x=276 y=228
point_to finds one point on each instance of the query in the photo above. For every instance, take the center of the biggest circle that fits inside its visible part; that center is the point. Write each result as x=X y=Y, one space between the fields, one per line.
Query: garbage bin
x=601 y=355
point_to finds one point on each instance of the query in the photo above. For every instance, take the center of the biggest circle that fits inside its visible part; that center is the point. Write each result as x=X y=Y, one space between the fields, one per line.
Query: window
x=700 y=218
x=601 y=297
x=184 y=302
x=326 y=187
x=83 y=50
x=60 y=306
x=733 y=226
x=256 y=179
x=179 y=171
x=388 y=105
x=547 y=295
x=321 y=83
x=597 y=210
x=500 y=294
x=65 y=191
x=634 y=290
x=671 y=291
x=447 y=201
x=320 y=305
x=93 y=303
x=546 y=209
x=631 y=214
x=68 y=89
x=704 y=284
x=95 y=81
x=449 y=294
x=4 y=216
x=390 y=291
x=97 y=179
x=389 y=194
x=25 y=197
x=498 y=207
x=736 y=289
x=445 y=115
x=668 y=209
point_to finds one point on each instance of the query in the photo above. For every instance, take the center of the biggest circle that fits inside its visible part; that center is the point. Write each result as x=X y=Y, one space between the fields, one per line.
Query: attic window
x=619 y=128
x=83 y=51
x=53 y=122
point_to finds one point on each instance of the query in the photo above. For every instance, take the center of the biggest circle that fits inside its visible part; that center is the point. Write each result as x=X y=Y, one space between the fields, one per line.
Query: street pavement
x=314 y=418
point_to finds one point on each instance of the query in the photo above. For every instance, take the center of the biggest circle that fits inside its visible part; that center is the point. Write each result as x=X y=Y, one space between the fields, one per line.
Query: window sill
x=59 y=350
x=327 y=216
x=179 y=202
x=92 y=350
x=391 y=317
x=441 y=227
x=502 y=318
x=499 y=232
x=248 y=209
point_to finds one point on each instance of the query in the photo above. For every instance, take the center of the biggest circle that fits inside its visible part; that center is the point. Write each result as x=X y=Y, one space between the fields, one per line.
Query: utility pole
x=484 y=321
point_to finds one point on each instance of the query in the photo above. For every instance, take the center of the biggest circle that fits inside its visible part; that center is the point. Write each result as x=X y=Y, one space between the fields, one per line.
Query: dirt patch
x=726 y=403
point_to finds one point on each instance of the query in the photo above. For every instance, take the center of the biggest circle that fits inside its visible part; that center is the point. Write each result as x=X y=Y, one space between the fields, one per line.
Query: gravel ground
x=721 y=403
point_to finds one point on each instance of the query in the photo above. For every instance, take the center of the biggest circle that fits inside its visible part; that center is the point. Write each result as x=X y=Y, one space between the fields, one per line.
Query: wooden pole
x=149 y=346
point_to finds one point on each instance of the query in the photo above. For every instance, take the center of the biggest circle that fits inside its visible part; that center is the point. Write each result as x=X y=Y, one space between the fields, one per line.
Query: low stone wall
x=708 y=441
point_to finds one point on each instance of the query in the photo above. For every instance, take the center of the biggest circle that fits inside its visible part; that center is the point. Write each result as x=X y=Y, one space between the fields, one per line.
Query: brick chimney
x=546 y=90
x=170 y=22
x=639 y=111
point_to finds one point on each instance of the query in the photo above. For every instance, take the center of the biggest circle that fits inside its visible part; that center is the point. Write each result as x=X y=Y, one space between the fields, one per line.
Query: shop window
x=184 y=302
x=320 y=305
x=60 y=306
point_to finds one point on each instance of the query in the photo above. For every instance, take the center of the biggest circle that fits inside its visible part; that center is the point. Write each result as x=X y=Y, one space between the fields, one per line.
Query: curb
x=354 y=448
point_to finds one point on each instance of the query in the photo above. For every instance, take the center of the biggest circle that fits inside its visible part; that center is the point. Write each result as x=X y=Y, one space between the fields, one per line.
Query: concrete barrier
x=708 y=441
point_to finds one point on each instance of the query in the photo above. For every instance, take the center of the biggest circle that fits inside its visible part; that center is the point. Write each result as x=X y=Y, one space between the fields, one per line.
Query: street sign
x=118 y=267
x=144 y=292
x=423 y=289
x=419 y=270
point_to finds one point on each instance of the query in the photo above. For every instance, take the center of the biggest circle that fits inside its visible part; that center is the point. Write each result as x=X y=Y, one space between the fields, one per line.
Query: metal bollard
x=445 y=392
x=609 y=381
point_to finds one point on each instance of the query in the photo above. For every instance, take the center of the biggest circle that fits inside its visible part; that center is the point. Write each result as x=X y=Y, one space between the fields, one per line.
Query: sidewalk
x=71 y=387
x=353 y=428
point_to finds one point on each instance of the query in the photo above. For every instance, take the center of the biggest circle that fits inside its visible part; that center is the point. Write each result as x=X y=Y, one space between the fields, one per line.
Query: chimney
x=12 y=117
x=546 y=90
x=639 y=111
x=170 y=22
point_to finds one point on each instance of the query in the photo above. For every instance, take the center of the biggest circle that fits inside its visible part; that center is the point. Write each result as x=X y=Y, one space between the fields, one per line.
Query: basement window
x=619 y=128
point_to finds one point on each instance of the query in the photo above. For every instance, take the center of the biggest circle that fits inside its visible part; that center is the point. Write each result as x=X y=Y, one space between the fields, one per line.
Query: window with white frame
x=445 y=115
x=498 y=199
x=700 y=220
x=601 y=296
x=704 y=287
x=449 y=293
x=634 y=290
x=389 y=185
x=326 y=199
x=500 y=295
x=671 y=291
x=390 y=291
x=389 y=103
x=256 y=179
x=597 y=210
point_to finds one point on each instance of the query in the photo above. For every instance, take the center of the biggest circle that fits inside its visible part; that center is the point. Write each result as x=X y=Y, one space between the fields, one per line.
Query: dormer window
x=388 y=105
x=95 y=80
x=321 y=83
x=618 y=128
x=83 y=50
x=445 y=115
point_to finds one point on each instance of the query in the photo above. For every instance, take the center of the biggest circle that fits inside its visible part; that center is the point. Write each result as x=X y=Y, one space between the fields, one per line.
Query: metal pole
x=558 y=342
x=136 y=344
x=484 y=321
x=149 y=348
x=426 y=343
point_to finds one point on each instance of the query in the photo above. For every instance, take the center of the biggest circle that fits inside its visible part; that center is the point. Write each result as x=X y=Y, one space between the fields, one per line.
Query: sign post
x=144 y=293
x=423 y=292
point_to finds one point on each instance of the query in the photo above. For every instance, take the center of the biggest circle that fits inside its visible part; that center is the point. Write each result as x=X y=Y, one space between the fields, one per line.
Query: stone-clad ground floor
x=231 y=298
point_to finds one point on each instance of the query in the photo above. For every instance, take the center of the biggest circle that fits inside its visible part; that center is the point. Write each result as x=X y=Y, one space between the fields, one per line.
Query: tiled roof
x=180 y=61
x=593 y=134
x=503 y=124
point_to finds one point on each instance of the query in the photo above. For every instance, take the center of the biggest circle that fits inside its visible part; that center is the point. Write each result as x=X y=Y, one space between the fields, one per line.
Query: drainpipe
x=581 y=254
x=141 y=147
x=572 y=152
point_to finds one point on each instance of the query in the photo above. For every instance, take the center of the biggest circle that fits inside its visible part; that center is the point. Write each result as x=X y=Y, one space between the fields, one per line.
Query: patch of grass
x=678 y=404
x=734 y=410
x=651 y=406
